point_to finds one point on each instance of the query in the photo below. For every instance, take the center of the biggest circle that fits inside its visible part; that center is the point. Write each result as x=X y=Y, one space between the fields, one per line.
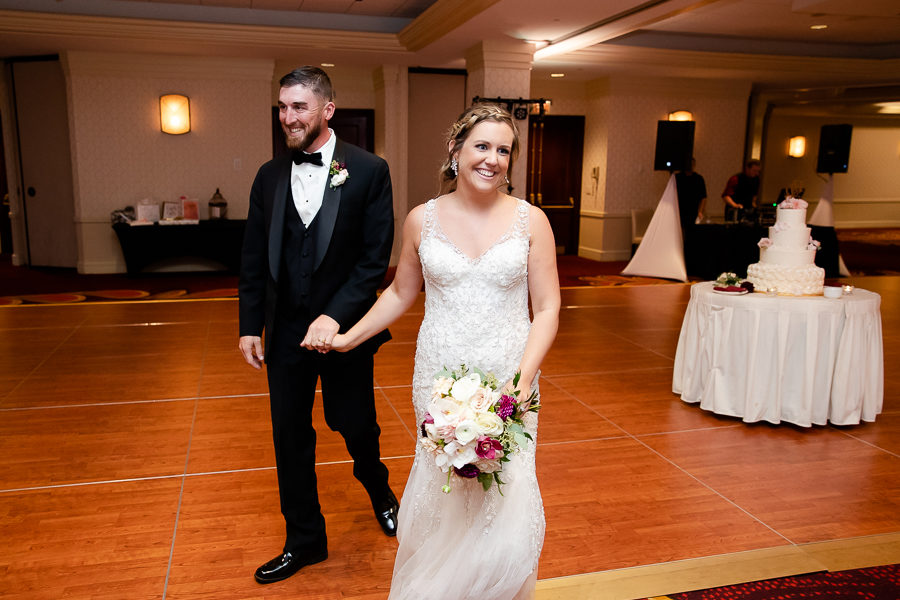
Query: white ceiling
x=769 y=42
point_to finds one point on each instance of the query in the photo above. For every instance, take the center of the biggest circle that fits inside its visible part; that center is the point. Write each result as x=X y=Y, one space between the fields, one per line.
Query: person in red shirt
x=742 y=191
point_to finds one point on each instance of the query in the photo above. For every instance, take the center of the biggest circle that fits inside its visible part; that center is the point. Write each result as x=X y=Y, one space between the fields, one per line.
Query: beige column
x=391 y=143
x=502 y=68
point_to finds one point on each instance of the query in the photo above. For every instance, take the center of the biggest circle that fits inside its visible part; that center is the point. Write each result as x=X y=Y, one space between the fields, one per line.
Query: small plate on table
x=727 y=292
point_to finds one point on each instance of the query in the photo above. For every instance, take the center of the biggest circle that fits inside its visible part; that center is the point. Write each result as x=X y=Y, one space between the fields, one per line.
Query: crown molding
x=185 y=33
x=439 y=19
x=164 y=66
x=753 y=67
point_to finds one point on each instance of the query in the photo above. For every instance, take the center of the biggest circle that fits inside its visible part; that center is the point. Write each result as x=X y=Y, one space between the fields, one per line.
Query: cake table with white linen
x=805 y=360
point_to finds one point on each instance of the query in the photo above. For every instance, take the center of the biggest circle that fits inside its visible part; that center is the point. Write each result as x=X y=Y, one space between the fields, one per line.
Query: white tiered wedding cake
x=787 y=257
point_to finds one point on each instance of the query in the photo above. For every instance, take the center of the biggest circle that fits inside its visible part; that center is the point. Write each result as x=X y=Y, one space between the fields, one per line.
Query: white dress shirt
x=308 y=182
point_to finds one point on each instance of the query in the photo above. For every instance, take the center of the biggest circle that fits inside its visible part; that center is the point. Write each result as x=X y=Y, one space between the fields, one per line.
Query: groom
x=316 y=247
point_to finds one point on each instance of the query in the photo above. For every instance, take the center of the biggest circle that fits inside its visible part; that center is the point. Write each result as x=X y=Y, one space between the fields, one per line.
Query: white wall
x=435 y=101
x=868 y=195
x=620 y=139
x=120 y=156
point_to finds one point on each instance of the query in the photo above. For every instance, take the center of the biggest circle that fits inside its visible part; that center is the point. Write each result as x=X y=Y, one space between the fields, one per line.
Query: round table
x=805 y=360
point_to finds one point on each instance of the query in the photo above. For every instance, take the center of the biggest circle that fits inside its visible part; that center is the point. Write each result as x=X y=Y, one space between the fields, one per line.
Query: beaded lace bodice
x=471 y=543
x=476 y=309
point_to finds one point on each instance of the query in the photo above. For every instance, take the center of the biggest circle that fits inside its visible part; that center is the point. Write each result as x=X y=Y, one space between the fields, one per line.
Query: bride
x=482 y=254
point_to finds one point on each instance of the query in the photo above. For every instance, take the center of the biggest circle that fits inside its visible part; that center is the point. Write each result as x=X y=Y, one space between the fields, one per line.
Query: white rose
x=467 y=431
x=483 y=399
x=460 y=454
x=431 y=431
x=339 y=178
x=447 y=411
x=463 y=388
x=488 y=466
x=488 y=423
x=442 y=385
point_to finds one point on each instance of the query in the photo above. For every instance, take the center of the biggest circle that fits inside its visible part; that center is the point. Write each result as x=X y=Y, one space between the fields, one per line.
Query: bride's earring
x=454 y=166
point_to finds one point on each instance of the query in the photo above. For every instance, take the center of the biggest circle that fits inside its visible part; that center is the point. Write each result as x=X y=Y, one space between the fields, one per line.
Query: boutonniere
x=339 y=174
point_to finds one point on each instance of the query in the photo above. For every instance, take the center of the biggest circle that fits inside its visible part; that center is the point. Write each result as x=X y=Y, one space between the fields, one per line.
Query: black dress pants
x=349 y=402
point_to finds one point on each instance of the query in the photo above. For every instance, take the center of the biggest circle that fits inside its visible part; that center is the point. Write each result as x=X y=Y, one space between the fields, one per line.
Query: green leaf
x=516 y=378
x=486 y=480
x=521 y=440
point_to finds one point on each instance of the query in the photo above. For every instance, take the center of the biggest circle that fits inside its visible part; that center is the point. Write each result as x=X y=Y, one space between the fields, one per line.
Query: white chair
x=640 y=220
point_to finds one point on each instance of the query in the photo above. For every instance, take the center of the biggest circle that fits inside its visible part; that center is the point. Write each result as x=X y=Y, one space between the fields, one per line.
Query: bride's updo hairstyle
x=464 y=125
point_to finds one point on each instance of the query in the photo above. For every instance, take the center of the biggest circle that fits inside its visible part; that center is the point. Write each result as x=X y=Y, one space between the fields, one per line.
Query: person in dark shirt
x=691 y=195
x=742 y=191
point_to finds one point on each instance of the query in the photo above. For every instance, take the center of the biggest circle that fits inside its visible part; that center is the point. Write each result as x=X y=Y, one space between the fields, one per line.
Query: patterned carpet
x=875 y=583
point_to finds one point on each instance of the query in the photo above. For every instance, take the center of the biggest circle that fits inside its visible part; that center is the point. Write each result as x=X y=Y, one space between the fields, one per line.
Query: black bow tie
x=302 y=157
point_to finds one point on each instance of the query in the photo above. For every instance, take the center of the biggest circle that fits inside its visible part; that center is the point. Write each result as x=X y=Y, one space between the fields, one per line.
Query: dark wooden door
x=555 y=150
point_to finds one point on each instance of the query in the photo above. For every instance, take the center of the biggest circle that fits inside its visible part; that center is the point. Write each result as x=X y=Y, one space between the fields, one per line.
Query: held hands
x=523 y=395
x=251 y=349
x=320 y=335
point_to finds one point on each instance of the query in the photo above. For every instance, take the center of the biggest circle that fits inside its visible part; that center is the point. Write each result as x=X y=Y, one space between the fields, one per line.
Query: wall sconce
x=681 y=115
x=174 y=114
x=797 y=146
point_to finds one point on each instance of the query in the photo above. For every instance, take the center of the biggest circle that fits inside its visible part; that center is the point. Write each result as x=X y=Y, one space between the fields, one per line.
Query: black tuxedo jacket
x=353 y=236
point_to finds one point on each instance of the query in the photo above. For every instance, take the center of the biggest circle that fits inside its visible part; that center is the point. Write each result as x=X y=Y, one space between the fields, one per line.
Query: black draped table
x=714 y=248
x=219 y=240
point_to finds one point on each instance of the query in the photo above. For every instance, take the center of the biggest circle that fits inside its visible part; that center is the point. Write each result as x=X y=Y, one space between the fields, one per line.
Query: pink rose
x=488 y=448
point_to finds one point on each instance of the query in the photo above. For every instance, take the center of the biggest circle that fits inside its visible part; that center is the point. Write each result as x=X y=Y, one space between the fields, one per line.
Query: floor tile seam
x=582 y=441
x=693 y=430
x=680 y=468
x=187 y=459
x=397 y=414
x=605 y=372
x=868 y=443
x=716 y=492
x=120 y=403
x=641 y=346
x=75 y=484
x=45 y=359
x=136 y=301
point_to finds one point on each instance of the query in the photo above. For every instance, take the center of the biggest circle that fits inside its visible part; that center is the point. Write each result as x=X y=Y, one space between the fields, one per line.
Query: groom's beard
x=306 y=136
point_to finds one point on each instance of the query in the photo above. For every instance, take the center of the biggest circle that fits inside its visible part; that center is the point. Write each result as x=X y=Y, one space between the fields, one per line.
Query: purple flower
x=427 y=421
x=468 y=471
x=507 y=407
x=487 y=447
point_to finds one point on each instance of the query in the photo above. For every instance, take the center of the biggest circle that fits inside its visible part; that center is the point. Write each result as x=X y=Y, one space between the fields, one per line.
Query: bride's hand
x=340 y=343
x=524 y=392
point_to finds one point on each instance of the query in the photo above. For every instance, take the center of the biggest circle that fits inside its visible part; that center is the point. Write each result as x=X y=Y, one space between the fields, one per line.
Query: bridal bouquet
x=471 y=428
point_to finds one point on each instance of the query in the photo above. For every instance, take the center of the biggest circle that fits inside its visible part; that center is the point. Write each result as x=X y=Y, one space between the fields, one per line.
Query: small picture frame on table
x=190 y=210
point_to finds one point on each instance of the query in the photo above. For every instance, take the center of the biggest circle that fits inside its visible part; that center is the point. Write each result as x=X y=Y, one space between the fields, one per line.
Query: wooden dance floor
x=136 y=462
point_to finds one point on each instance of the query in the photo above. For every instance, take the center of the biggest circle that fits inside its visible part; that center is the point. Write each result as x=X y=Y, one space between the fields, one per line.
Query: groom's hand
x=320 y=334
x=251 y=349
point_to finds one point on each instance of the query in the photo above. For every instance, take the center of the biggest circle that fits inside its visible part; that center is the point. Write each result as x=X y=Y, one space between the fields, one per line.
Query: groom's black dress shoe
x=386 y=512
x=286 y=564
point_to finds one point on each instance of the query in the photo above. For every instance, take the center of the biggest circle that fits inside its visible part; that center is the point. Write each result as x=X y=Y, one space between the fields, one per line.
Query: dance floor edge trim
x=727 y=569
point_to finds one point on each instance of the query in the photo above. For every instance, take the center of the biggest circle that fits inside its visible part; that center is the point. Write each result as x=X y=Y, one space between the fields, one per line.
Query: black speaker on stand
x=834 y=149
x=674 y=145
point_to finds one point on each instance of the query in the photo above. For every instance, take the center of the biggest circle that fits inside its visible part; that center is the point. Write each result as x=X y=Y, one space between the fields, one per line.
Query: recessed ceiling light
x=818 y=26
x=888 y=108
x=557 y=74
x=327 y=64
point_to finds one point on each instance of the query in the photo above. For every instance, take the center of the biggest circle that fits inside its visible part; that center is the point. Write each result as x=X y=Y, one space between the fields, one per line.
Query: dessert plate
x=729 y=293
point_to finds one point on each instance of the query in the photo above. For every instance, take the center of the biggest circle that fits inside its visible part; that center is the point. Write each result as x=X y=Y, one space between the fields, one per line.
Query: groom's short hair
x=310 y=77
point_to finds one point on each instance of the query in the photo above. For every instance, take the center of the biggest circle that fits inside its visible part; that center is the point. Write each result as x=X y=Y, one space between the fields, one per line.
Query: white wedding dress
x=470 y=543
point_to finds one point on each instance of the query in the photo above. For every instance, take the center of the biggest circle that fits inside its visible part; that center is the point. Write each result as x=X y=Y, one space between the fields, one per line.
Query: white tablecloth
x=803 y=360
